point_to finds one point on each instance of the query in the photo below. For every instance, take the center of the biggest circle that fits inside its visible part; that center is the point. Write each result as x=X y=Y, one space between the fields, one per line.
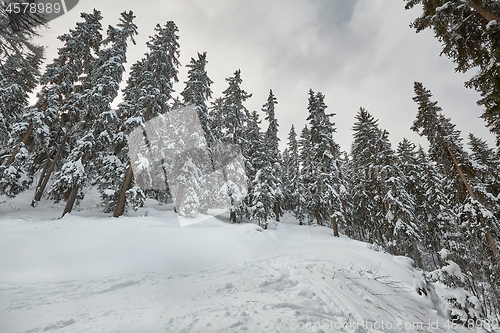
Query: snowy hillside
x=144 y=273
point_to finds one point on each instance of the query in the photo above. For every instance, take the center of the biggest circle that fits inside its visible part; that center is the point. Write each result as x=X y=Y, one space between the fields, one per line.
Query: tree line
x=438 y=206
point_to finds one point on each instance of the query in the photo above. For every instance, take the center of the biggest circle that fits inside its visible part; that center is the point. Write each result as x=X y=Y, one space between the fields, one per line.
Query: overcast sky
x=356 y=52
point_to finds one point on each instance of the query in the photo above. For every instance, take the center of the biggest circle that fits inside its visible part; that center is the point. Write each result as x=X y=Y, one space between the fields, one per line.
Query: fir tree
x=307 y=177
x=434 y=210
x=470 y=202
x=291 y=172
x=271 y=148
x=197 y=92
x=327 y=206
x=260 y=199
x=41 y=129
x=234 y=119
x=19 y=76
x=382 y=208
x=95 y=121
x=147 y=94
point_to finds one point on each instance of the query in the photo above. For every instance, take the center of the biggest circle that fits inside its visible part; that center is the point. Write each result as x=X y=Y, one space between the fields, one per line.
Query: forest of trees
x=439 y=206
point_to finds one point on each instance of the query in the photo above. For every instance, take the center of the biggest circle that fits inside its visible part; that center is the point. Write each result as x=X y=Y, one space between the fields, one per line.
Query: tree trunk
x=487 y=14
x=418 y=257
x=120 y=205
x=72 y=196
x=489 y=237
x=24 y=141
x=277 y=210
x=335 y=227
x=318 y=218
x=232 y=216
x=40 y=181
x=46 y=175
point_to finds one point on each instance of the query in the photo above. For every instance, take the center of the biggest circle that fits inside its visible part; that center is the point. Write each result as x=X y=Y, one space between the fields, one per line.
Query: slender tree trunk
x=120 y=205
x=418 y=257
x=46 y=174
x=487 y=14
x=335 y=227
x=40 y=181
x=277 y=210
x=232 y=216
x=489 y=237
x=71 y=200
x=74 y=191
x=318 y=218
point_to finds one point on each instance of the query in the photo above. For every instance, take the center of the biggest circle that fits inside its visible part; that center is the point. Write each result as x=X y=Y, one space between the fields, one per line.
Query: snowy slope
x=91 y=273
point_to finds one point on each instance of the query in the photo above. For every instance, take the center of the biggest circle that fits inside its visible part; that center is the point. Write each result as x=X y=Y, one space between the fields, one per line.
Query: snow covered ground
x=89 y=272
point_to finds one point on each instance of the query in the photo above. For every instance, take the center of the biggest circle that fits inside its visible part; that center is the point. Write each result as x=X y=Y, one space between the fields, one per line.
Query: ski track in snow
x=290 y=288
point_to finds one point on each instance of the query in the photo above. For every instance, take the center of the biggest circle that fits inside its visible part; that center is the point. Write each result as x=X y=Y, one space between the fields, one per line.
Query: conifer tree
x=271 y=148
x=197 y=92
x=363 y=189
x=95 y=121
x=475 y=250
x=291 y=182
x=16 y=82
x=147 y=94
x=469 y=32
x=286 y=162
x=234 y=119
x=307 y=176
x=434 y=210
x=41 y=128
x=383 y=211
x=259 y=202
x=447 y=150
x=326 y=205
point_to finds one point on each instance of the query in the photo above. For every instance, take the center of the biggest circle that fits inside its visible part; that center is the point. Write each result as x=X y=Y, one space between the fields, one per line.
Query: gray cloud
x=358 y=53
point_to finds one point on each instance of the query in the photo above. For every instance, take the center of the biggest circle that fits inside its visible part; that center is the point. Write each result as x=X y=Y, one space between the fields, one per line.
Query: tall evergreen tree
x=291 y=172
x=147 y=94
x=327 y=206
x=260 y=199
x=16 y=82
x=234 y=119
x=307 y=176
x=433 y=209
x=383 y=210
x=271 y=147
x=446 y=149
x=19 y=76
x=197 y=92
x=472 y=205
x=95 y=121
x=39 y=133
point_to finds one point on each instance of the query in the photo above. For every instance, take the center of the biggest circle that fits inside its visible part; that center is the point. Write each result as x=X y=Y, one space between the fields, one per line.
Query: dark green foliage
x=469 y=32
